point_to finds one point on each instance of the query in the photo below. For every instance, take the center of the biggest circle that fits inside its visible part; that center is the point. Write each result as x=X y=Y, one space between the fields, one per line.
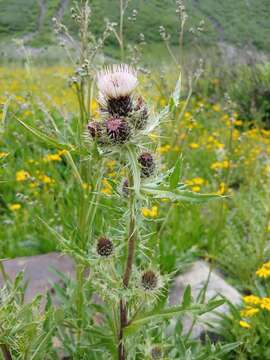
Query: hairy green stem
x=128 y=268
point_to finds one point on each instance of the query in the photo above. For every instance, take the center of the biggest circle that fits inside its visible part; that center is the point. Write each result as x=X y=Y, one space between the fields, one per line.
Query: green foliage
x=240 y=23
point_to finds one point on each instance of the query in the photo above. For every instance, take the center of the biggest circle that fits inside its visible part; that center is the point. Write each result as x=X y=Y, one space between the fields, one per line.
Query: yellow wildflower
x=107 y=189
x=244 y=324
x=264 y=271
x=62 y=152
x=249 y=312
x=152 y=212
x=52 y=157
x=3 y=155
x=153 y=136
x=238 y=122
x=265 y=303
x=15 y=207
x=216 y=107
x=111 y=164
x=194 y=145
x=22 y=175
x=198 y=181
x=220 y=165
x=162 y=101
x=222 y=188
x=252 y=300
x=164 y=149
x=45 y=179
x=196 y=188
x=86 y=186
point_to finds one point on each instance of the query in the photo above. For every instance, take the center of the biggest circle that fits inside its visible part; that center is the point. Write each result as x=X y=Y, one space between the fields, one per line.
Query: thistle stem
x=128 y=269
x=131 y=236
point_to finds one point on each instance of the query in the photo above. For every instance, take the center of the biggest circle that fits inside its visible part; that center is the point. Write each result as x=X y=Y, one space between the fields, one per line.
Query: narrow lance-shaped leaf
x=175 y=176
x=187 y=298
x=47 y=139
x=162 y=192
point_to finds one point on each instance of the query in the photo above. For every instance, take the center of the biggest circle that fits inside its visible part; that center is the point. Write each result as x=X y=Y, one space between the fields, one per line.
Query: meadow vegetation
x=214 y=134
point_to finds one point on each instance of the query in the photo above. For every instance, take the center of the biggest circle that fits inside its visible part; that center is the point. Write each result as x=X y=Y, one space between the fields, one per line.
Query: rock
x=39 y=274
x=38 y=271
x=197 y=276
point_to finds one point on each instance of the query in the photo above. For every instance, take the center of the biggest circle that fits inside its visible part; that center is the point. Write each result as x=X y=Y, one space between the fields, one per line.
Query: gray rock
x=39 y=274
x=38 y=271
x=197 y=276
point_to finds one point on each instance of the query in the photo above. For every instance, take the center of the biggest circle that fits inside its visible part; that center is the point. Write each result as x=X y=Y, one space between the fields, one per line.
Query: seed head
x=156 y=353
x=117 y=130
x=149 y=280
x=104 y=247
x=94 y=128
x=147 y=163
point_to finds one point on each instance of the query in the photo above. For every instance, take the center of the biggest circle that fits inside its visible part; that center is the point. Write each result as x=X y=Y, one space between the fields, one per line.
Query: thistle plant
x=116 y=307
x=122 y=133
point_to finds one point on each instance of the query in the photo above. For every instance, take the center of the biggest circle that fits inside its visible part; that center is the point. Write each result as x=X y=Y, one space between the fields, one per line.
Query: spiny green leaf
x=161 y=192
x=162 y=314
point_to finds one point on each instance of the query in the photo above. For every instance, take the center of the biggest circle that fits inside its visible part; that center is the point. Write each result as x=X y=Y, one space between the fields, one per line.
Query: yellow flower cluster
x=220 y=165
x=164 y=149
x=150 y=213
x=249 y=311
x=22 y=175
x=107 y=187
x=244 y=324
x=55 y=156
x=195 y=183
x=194 y=145
x=3 y=155
x=15 y=207
x=264 y=271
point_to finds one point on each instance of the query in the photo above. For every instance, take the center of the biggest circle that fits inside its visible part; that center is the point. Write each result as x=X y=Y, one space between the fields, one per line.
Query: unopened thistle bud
x=149 y=280
x=94 y=128
x=156 y=353
x=104 y=247
x=147 y=163
x=140 y=114
x=117 y=130
x=125 y=189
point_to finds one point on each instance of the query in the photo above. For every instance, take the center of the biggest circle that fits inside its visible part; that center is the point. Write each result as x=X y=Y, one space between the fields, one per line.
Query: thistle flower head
x=104 y=246
x=149 y=280
x=117 y=81
x=117 y=130
x=147 y=163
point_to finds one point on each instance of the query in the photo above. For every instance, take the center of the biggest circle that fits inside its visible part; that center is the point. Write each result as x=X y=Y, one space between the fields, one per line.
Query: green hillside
x=241 y=22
